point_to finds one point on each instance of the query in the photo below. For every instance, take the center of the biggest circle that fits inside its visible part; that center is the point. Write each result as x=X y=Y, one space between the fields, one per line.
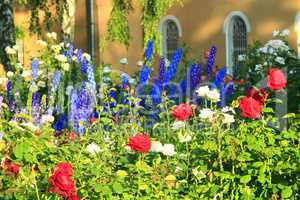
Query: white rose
x=228 y=119
x=206 y=113
x=202 y=91
x=124 y=61
x=227 y=109
x=156 y=146
x=10 y=74
x=178 y=125
x=168 y=150
x=213 y=95
x=93 y=148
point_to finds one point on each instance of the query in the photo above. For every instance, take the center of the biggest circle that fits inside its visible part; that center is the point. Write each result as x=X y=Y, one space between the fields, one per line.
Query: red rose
x=11 y=168
x=182 y=112
x=259 y=95
x=64 y=167
x=62 y=184
x=250 y=108
x=140 y=143
x=276 y=79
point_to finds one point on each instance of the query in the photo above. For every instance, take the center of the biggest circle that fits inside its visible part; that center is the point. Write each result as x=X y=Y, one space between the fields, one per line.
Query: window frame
x=228 y=24
x=163 y=32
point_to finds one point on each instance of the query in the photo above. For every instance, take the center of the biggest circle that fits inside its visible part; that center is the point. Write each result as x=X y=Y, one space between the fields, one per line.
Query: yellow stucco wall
x=201 y=21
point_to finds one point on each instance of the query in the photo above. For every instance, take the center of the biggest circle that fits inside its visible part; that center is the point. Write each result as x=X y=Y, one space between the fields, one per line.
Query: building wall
x=201 y=21
x=202 y=25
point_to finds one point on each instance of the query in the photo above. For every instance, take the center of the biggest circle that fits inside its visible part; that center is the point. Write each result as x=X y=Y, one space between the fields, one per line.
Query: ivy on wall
x=153 y=10
x=41 y=8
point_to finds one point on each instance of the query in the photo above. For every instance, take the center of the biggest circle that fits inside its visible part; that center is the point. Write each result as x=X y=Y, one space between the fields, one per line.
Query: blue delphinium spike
x=220 y=76
x=149 y=50
x=195 y=75
x=9 y=96
x=172 y=69
x=56 y=80
x=156 y=93
x=35 y=107
x=161 y=70
x=61 y=122
x=125 y=80
x=70 y=52
x=211 y=61
x=91 y=77
x=79 y=55
x=144 y=74
x=34 y=68
x=84 y=66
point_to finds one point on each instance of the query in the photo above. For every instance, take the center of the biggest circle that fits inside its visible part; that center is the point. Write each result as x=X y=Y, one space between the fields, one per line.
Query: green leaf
x=289 y=115
x=245 y=179
x=286 y=192
x=118 y=188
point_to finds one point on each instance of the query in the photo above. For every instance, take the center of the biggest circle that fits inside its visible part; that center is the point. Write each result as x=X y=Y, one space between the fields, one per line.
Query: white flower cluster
x=273 y=46
x=206 y=92
x=283 y=33
x=52 y=35
x=166 y=149
x=93 y=148
x=11 y=50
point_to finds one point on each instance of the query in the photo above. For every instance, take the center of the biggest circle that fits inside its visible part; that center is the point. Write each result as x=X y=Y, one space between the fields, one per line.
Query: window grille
x=172 y=35
x=239 y=41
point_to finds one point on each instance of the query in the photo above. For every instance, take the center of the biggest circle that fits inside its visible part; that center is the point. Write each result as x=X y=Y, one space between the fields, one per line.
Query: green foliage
x=42 y=6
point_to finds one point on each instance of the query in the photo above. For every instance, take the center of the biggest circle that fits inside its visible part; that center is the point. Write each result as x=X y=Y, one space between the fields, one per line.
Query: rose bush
x=191 y=151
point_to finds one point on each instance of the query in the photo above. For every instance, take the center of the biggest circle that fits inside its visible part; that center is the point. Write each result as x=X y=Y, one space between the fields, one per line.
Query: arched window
x=297 y=29
x=236 y=28
x=170 y=33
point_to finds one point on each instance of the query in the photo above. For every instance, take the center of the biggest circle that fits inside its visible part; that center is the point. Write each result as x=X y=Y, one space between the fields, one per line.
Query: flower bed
x=60 y=139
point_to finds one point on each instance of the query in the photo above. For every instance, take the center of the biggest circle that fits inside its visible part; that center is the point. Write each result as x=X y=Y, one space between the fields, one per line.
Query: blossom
x=242 y=57
x=168 y=150
x=149 y=50
x=259 y=95
x=10 y=51
x=106 y=69
x=285 y=32
x=140 y=143
x=228 y=118
x=47 y=119
x=33 y=88
x=93 y=148
x=182 y=112
x=61 y=58
x=87 y=56
x=35 y=68
x=30 y=126
x=10 y=74
x=66 y=66
x=280 y=60
x=140 y=63
x=10 y=167
x=203 y=91
x=275 y=33
x=276 y=79
x=56 y=48
x=178 y=125
x=52 y=35
x=227 y=109
x=41 y=43
x=1 y=135
x=250 y=108
x=61 y=181
x=124 y=61
x=213 y=95
x=41 y=84
x=26 y=74
x=185 y=138
x=156 y=146
x=206 y=113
